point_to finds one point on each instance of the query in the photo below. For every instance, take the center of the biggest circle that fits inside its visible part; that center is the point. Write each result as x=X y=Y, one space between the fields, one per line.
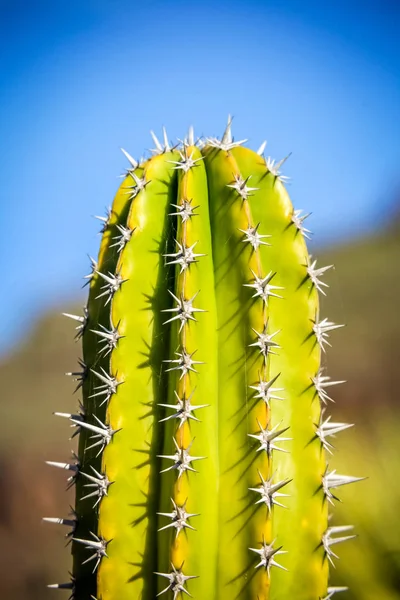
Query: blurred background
x=80 y=79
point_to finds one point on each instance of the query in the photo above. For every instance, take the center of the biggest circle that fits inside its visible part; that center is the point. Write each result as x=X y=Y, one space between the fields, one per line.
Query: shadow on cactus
x=202 y=466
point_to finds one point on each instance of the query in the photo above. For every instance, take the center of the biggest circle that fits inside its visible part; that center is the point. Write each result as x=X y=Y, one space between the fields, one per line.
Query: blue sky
x=81 y=79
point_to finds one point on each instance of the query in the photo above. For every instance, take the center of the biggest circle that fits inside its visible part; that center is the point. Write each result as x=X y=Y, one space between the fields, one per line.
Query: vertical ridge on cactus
x=201 y=467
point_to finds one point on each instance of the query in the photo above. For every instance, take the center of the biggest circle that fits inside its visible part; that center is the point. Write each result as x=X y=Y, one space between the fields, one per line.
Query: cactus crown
x=203 y=441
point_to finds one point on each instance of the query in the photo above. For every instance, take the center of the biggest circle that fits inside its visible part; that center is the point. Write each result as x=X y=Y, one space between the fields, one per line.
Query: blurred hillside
x=364 y=292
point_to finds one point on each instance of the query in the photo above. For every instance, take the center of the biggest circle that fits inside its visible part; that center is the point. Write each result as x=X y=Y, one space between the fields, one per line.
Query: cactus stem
x=328 y=540
x=321 y=382
x=332 y=480
x=183 y=409
x=123 y=238
x=187 y=162
x=185 y=210
x=184 y=257
x=80 y=329
x=265 y=341
x=240 y=185
x=262 y=287
x=181 y=458
x=179 y=518
x=101 y=484
x=266 y=436
x=253 y=237
x=177 y=581
x=267 y=553
x=184 y=362
x=270 y=491
x=266 y=391
x=273 y=167
x=185 y=310
x=298 y=220
x=314 y=274
x=110 y=338
x=322 y=329
x=98 y=544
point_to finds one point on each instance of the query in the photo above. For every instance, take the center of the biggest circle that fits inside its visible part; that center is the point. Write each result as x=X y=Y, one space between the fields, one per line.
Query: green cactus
x=202 y=467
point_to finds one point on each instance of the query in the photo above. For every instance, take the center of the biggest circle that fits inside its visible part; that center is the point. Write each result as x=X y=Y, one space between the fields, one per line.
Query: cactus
x=203 y=443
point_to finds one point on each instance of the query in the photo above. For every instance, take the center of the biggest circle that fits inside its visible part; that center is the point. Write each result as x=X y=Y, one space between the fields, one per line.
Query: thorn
x=187 y=162
x=184 y=257
x=104 y=220
x=253 y=237
x=183 y=409
x=263 y=287
x=184 y=310
x=139 y=184
x=261 y=149
x=334 y=590
x=190 y=136
x=270 y=491
x=177 y=581
x=315 y=273
x=93 y=267
x=123 y=238
x=267 y=553
x=73 y=467
x=321 y=382
x=322 y=330
x=185 y=210
x=108 y=338
x=328 y=540
x=79 y=376
x=266 y=391
x=98 y=544
x=298 y=220
x=267 y=436
x=107 y=388
x=70 y=585
x=241 y=186
x=179 y=518
x=98 y=481
x=80 y=329
x=134 y=163
x=273 y=167
x=102 y=432
x=265 y=341
x=332 y=480
x=112 y=285
x=226 y=142
x=182 y=459
x=160 y=148
x=184 y=363
x=327 y=428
